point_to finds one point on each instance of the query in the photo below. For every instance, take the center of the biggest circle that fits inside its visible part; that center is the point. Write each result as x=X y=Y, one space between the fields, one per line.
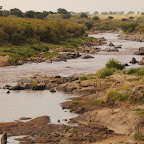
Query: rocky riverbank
x=107 y=108
x=55 y=54
x=132 y=37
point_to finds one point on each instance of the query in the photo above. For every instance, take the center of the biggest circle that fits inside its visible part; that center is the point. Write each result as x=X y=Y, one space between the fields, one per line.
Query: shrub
x=75 y=103
x=112 y=63
x=104 y=72
x=139 y=136
x=135 y=71
x=113 y=94
x=95 y=18
x=98 y=101
x=83 y=78
x=74 y=131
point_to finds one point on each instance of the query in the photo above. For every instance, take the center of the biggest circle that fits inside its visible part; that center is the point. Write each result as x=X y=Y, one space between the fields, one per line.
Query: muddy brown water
x=32 y=104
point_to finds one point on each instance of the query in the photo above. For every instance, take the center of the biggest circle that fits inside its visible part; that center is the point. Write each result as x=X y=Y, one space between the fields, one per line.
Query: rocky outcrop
x=111 y=44
x=118 y=120
x=140 y=52
x=111 y=50
x=87 y=57
x=142 y=61
x=4 y=138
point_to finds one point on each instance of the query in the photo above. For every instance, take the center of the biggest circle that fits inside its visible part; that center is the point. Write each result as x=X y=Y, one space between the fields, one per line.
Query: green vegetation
x=74 y=131
x=34 y=84
x=135 y=71
x=112 y=63
x=75 y=103
x=83 y=78
x=104 y=72
x=111 y=66
x=115 y=95
x=98 y=101
x=139 y=136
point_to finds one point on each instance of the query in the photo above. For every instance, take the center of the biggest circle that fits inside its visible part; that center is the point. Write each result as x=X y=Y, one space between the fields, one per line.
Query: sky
x=74 y=5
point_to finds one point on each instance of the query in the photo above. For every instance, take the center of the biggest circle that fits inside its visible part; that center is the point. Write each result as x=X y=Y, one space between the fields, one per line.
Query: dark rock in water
x=57 y=76
x=4 y=138
x=111 y=44
x=59 y=121
x=126 y=64
x=87 y=57
x=52 y=90
x=133 y=61
x=8 y=92
x=142 y=61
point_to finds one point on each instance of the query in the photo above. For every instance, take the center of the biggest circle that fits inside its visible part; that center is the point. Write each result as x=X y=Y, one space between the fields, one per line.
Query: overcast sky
x=75 y=5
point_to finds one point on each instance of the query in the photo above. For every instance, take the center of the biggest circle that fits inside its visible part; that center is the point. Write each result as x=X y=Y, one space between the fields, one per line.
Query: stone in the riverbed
x=142 y=61
x=140 y=52
x=111 y=44
x=58 y=76
x=52 y=90
x=48 y=61
x=4 y=138
x=126 y=64
x=133 y=61
x=8 y=92
x=111 y=50
x=87 y=57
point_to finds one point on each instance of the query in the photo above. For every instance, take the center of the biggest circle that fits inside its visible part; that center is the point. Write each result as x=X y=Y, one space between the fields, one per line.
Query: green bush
x=112 y=63
x=135 y=71
x=75 y=103
x=113 y=94
x=74 y=131
x=83 y=78
x=104 y=72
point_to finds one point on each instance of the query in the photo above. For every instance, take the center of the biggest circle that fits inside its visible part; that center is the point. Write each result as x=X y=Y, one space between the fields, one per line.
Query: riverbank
x=108 y=107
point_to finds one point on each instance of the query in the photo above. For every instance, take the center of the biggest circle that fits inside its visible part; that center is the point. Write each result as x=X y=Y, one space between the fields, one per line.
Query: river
x=33 y=104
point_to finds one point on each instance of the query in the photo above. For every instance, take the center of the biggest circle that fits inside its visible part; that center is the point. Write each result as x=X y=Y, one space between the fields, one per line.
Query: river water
x=33 y=104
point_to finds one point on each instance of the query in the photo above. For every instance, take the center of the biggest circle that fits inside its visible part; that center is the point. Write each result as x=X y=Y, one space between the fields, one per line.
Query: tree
x=96 y=13
x=110 y=17
x=30 y=14
x=16 y=12
x=131 y=18
x=62 y=11
x=131 y=12
x=84 y=15
x=95 y=18
x=89 y=25
x=66 y=16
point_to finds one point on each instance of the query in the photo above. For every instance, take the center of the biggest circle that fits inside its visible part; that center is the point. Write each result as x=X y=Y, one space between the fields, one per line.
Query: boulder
x=87 y=57
x=4 y=138
x=111 y=44
x=140 y=52
x=52 y=90
x=142 y=61
x=111 y=50
x=133 y=61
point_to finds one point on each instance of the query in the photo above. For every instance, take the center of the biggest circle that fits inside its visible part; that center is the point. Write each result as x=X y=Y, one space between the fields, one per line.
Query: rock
x=19 y=86
x=52 y=90
x=57 y=77
x=8 y=92
x=87 y=57
x=126 y=64
x=48 y=61
x=58 y=121
x=133 y=61
x=140 y=52
x=111 y=44
x=103 y=39
x=119 y=46
x=4 y=138
x=142 y=61
x=111 y=50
